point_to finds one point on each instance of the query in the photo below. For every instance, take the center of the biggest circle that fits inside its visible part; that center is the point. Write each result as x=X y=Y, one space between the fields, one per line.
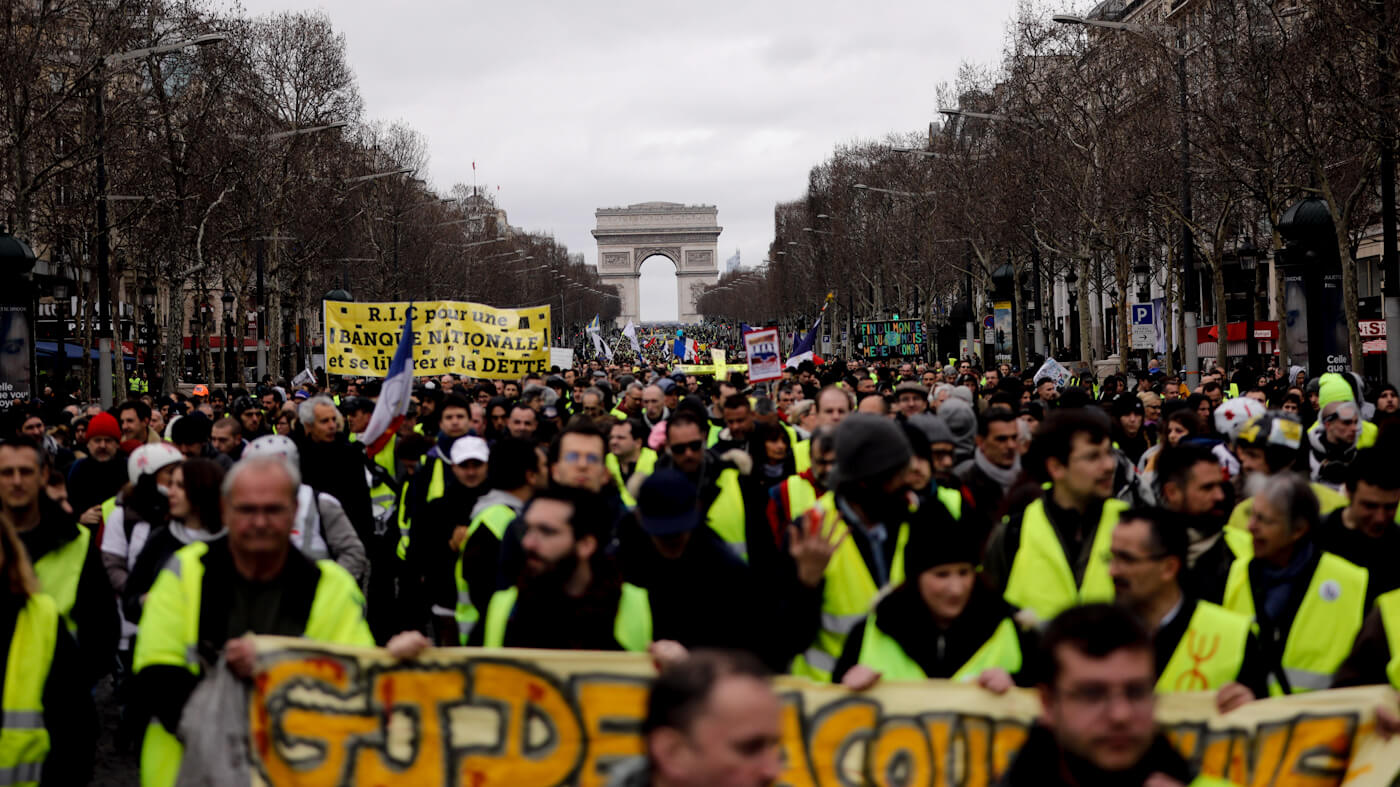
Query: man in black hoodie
x=1097 y=726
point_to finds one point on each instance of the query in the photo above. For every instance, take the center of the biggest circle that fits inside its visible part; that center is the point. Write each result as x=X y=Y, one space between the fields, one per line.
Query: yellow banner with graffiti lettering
x=340 y=716
x=448 y=337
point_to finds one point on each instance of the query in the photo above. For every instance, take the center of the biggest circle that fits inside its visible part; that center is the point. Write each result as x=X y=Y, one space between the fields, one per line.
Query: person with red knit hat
x=100 y=475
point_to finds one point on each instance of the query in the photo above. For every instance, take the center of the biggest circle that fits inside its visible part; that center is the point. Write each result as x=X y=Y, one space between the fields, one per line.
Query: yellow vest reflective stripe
x=646 y=462
x=1325 y=627
x=1209 y=654
x=60 y=571
x=169 y=636
x=437 y=483
x=1041 y=578
x=847 y=593
x=495 y=518
x=24 y=741
x=800 y=497
x=631 y=627
x=726 y=514
x=801 y=451
x=1389 y=605
x=882 y=653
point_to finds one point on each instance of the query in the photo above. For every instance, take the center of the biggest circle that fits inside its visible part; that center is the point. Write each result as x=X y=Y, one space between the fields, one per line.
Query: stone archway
x=687 y=235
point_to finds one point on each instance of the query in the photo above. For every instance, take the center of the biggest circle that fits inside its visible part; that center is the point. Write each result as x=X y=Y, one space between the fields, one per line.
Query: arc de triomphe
x=687 y=235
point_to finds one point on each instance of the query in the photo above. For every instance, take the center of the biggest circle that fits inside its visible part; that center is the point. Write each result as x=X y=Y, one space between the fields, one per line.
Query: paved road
x=113 y=768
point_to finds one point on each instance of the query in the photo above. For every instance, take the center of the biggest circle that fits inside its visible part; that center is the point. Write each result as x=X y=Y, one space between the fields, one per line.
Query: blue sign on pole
x=1144 y=336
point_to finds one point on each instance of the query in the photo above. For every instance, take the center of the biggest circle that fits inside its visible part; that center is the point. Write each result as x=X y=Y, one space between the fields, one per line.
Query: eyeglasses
x=685 y=448
x=575 y=458
x=1130 y=559
x=1098 y=696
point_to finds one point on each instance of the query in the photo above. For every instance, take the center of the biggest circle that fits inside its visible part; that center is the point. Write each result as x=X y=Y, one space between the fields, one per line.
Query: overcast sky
x=569 y=107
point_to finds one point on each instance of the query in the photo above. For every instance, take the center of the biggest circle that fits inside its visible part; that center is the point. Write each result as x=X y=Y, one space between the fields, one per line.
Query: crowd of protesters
x=849 y=523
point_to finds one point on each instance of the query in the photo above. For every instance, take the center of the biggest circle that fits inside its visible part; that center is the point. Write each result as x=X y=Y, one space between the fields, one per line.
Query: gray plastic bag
x=214 y=729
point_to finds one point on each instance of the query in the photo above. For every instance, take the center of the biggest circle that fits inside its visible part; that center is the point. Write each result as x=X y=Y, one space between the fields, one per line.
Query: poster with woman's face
x=16 y=354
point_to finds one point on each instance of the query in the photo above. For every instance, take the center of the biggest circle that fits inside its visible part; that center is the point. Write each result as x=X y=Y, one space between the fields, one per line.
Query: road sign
x=1144 y=329
x=990 y=321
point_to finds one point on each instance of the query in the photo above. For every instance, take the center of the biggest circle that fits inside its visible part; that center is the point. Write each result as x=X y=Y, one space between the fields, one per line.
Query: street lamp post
x=1248 y=256
x=291 y=356
x=1072 y=290
x=227 y=299
x=61 y=294
x=148 y=312
x=1190 y=297
x=104 y=274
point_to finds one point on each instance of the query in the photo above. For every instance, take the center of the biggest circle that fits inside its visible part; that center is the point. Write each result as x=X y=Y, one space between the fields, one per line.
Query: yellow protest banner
x=341 y=716
x=448 y=336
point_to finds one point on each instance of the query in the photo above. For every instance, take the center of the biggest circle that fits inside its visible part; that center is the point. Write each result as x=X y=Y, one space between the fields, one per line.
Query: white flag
x=631 y=333
x=306 y=376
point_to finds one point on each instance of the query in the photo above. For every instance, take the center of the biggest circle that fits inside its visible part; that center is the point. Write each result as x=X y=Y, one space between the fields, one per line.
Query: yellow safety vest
x=169 y=636
x=714 y=436
x=1209 y=654
x=726 y=515
x=495 y=518
x=848 y=590
x=800 y=496
x=951 y=500
x=1389 y=605
x=381 y=495
x=646 y=462
x=1369 y=432
x=631 y=627
x=59 y=573
x=801 y=452
x=24 y=741
x=437 y=485
x=1237 y=535
x=882 y=653
x=1324 y=628
x=1041 y=578
x=108 y=506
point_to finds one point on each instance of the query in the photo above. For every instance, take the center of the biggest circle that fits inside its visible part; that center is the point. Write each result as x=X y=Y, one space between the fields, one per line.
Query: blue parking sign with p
x=1142 y=314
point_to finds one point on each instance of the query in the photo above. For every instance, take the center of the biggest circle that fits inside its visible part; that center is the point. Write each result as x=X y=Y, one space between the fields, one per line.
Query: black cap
x=1126 y=404
x=191 y=429
x=666 y=504
x=935 y=539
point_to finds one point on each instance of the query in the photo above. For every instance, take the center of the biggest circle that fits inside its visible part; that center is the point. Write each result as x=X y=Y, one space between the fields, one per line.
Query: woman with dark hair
x=195 y=515
x=1182 y=423
x=772 y=455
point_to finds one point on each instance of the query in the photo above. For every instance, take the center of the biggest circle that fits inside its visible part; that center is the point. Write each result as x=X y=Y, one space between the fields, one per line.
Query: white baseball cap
x=470 y=447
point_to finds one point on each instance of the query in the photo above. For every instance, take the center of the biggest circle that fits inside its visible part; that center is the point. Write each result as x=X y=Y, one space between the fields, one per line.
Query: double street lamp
x=104 y=294
x=1190 y=299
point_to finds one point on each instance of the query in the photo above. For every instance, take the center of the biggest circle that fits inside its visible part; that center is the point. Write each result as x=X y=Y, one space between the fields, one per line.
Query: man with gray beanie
x=850 y=543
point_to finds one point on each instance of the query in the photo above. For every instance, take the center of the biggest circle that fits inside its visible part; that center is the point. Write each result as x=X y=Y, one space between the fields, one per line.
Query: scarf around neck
x=1004 y=476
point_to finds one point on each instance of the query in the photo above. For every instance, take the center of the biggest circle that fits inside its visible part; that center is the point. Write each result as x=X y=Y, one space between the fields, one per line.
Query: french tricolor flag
x=394 y=395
